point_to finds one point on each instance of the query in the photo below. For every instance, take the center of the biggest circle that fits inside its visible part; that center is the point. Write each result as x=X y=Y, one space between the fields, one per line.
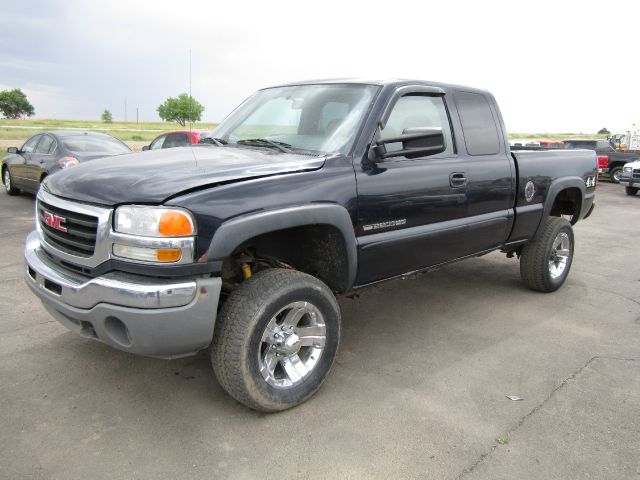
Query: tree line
x=181 y=109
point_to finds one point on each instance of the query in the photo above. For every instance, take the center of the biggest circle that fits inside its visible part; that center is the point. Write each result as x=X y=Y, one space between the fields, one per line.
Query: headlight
x=153 y=234
x=627 y=169
x=66 y=162
x=153 y=221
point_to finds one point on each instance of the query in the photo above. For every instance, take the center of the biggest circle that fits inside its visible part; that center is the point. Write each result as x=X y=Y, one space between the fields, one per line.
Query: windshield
x=313 y=118
x=91 y=143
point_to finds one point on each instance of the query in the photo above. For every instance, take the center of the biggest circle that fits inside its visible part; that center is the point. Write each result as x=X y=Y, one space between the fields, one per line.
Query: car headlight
x=153 y=234
x=153 y=221
x=626 y=169
x=66 y=162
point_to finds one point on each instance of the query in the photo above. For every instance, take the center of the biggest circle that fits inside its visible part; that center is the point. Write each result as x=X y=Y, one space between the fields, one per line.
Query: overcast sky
x=558 y=66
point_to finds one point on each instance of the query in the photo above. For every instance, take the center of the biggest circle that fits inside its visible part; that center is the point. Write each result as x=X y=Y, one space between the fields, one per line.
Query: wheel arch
x=559 y=190
x=240 y=230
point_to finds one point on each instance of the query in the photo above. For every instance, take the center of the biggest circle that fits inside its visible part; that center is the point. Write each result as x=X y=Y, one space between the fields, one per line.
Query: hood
x=154 y=176
x=635 y=164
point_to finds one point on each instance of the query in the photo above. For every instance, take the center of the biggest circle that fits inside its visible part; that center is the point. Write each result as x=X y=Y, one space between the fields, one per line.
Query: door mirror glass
x=12 y=150
x=145 y=148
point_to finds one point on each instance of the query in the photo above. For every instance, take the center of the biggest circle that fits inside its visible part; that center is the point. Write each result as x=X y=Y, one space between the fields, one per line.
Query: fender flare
x=554 y=189
x=239 y=229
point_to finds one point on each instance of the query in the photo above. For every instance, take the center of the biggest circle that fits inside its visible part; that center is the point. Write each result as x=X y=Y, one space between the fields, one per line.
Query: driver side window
x=30 y=144
x=157 y=143
x=415 y=111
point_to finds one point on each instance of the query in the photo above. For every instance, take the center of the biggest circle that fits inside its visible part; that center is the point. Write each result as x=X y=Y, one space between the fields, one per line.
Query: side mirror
x=12 y=150
x=416 y=142
x=145 y=148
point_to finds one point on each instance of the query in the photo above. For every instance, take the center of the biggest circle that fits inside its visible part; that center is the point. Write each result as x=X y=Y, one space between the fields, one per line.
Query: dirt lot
x=418 y=390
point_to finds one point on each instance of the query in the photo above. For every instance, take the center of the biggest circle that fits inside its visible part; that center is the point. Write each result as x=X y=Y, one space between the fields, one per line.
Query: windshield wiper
x=219 y=142
x=283 y=147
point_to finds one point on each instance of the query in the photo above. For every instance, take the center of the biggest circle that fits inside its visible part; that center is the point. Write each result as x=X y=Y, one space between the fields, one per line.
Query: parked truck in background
x=610 y=161
x=306 y=191
x=630 y=178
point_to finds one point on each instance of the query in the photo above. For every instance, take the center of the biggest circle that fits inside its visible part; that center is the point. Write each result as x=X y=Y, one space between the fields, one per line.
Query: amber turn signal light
x=168 y=255
x=175 y=224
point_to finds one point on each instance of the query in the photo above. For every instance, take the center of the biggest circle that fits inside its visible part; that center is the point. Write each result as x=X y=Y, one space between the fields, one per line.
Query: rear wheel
x=546 y=259
x=631 y=190
x=275 y=339
x=615 y=173
x=8 y=182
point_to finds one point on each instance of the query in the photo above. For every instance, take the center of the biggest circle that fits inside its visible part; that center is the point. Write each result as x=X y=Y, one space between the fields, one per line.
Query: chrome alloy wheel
x=7 y=179
x=560 y=251
x=292 y=344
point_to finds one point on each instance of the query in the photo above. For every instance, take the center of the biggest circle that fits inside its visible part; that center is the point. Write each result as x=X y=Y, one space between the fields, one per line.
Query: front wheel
x=631 y=190
x=8 y=182
x=546 y=259
x=615 y=174
x=275 y=339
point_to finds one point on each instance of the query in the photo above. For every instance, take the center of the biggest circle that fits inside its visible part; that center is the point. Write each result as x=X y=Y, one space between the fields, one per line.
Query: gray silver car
x=46 y=153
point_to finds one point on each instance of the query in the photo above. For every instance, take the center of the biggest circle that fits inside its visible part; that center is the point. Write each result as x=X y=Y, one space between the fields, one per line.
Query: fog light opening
x=117 y=331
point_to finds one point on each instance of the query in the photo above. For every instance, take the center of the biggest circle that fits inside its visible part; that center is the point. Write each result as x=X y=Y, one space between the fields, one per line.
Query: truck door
x=411 y=211
x=489 y=171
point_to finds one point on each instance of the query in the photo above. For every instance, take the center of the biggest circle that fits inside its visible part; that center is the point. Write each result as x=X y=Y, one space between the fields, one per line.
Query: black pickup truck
x=304 y=192
x=610 y=161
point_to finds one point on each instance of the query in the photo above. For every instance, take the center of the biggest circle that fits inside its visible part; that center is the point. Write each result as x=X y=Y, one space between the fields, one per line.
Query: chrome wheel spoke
x=270 y=331
x=313 y=336
x=294 y=368
x=293 y=316
x=270 y=360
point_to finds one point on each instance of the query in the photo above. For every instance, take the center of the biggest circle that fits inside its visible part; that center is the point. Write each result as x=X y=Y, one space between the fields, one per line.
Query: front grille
x=80 y=237
x=636 y=174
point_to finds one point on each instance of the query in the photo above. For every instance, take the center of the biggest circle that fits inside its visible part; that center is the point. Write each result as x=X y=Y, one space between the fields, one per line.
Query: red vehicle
x=551 y=143
x=180 y=138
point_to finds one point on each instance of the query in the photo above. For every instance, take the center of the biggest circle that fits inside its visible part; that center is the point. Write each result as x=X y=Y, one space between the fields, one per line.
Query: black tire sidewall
x=323 y=300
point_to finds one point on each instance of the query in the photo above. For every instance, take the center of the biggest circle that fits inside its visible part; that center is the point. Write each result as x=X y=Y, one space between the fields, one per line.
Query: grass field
x=20 y=130
x=127 y=131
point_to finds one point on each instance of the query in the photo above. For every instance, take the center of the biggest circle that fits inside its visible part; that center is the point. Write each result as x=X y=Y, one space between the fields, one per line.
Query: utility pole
x=136 y=115
x=190 y=114
x=125 y=109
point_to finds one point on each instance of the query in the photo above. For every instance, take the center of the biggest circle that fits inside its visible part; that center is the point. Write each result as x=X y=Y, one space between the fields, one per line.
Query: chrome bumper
x=154 y=317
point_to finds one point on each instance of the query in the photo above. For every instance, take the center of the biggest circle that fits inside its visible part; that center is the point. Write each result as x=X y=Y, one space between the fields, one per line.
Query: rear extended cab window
x=478 y=124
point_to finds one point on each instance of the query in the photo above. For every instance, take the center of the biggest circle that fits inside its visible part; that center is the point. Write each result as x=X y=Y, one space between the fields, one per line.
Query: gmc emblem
x=54 y=221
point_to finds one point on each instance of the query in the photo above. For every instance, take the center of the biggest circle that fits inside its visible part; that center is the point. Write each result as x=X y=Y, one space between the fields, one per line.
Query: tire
x=631 y=190
x=7 y=179
x=546 y=259
x=614 y=174
x=257 y=357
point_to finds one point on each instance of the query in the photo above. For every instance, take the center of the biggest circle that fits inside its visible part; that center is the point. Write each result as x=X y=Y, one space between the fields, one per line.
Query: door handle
x=457 y=179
